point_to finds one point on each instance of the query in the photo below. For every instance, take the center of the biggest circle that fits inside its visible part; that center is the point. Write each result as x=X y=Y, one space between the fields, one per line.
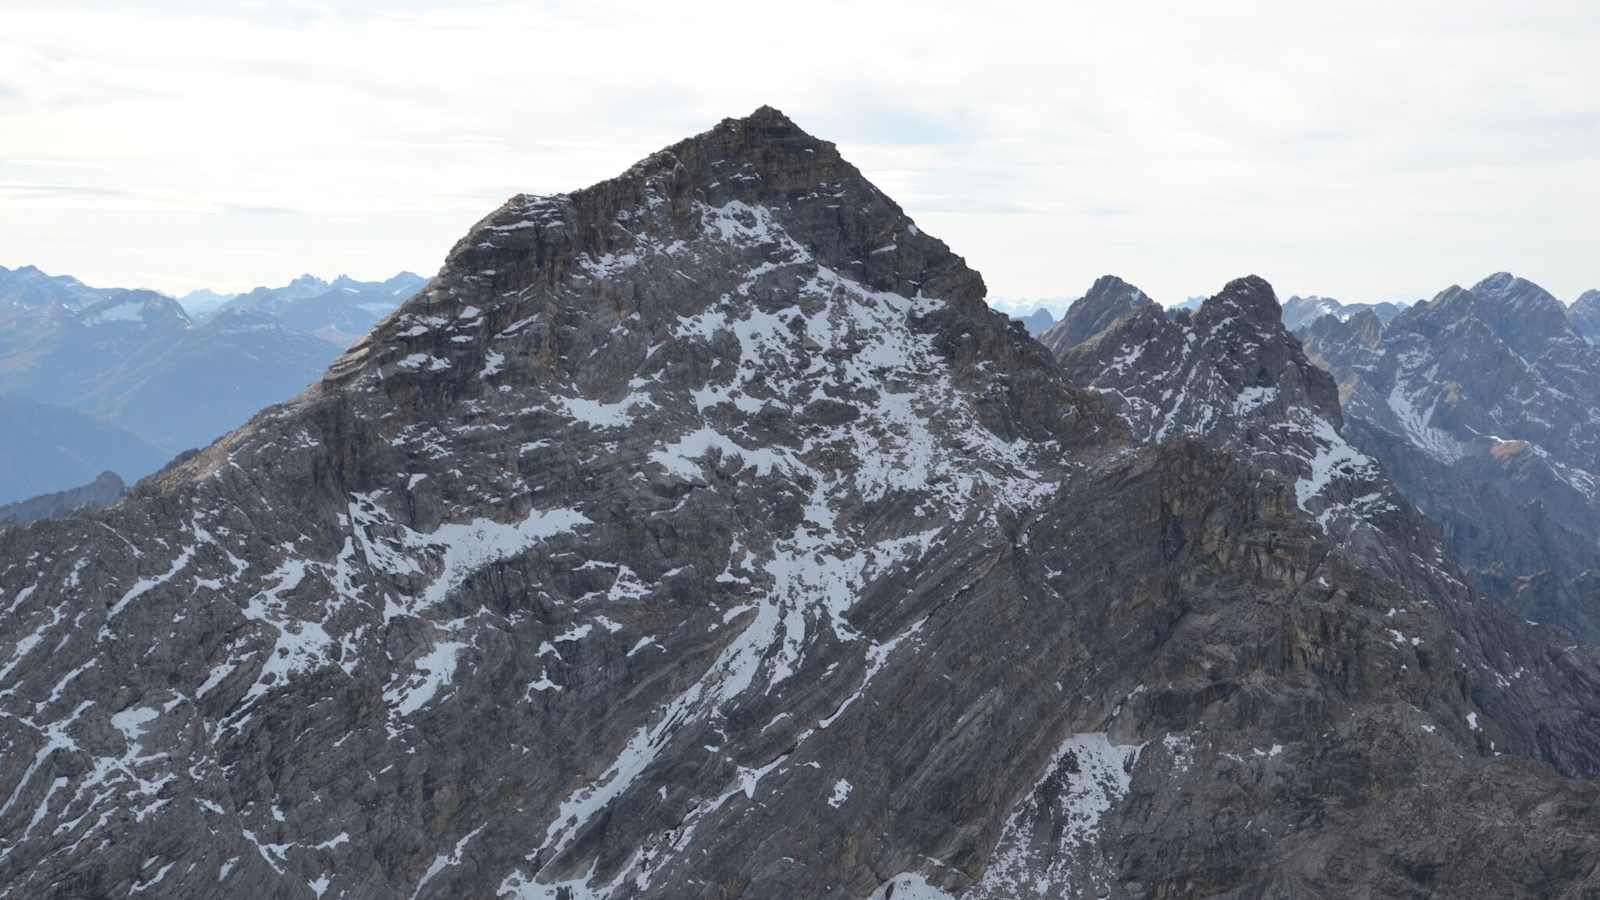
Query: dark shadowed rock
x=1109 y=299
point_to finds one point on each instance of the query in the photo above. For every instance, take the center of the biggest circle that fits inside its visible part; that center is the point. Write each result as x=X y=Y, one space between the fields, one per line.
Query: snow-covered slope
x=1484 y=404
x=1229 y=373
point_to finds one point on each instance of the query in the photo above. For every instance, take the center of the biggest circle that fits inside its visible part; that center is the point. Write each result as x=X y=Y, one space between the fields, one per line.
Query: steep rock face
x=1230 y=374
x=1108 y=299
x=105 y=490
x=1585 y=316
x=1484 y=405
x=703 y=534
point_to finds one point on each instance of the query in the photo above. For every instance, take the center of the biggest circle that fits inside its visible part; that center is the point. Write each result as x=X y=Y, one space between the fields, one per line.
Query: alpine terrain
x=136 y=364
x=1484 y=406
x=703 y=533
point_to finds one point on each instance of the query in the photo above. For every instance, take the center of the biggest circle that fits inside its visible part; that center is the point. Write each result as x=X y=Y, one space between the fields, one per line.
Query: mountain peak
x=1251 y=297
x=1499 y=281
x=768 y=115
x=1522 y=314
x=759 y=183
x=1108 y=299
x=1506 y=288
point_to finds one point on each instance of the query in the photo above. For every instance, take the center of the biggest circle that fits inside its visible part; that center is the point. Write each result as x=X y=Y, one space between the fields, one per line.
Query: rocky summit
x=1229 y=373
x=1484 y=405
x=703 y=533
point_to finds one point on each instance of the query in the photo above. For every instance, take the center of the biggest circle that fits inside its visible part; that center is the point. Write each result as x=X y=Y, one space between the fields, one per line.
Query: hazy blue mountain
x=1584 y=313
x=105 y=490
x=59 y=345
x=1037 y=322
x=1299 y=312
x=213 y=379
x=137 y=359
x=201 y=303
x=339 y=311
x=27 y=286
x=46 y=448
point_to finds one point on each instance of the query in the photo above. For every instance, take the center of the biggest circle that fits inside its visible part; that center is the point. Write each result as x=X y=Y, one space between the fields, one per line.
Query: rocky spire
x=1108 y=299
x=1250 y=298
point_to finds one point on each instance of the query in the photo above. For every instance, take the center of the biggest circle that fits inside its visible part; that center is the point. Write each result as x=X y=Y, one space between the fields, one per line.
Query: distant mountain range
x=160 y=378
x=46 y=448
x=201 y=303
x=105 y=490
x=1484 y=405
x=339 y=312
x=1301 y=311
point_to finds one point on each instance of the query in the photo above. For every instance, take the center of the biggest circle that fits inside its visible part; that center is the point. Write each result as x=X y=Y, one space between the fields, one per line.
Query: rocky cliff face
x=702 y=533
x=1230 y=374
x=1108 y=299
x=1483 y=405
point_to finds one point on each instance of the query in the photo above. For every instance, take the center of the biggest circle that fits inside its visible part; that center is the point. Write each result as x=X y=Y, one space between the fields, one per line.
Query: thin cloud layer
x=1369 y=151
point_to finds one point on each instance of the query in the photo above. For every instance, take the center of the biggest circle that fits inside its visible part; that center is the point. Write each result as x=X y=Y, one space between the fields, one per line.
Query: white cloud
x=1364 y=150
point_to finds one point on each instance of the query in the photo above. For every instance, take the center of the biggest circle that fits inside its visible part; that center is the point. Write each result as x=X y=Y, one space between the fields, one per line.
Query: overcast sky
x=1367 y=151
